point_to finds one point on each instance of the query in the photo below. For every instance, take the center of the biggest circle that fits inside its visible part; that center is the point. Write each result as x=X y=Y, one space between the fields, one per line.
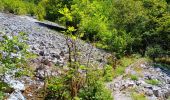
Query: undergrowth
x=123 y=64
x=137 y=96
x=20 y=7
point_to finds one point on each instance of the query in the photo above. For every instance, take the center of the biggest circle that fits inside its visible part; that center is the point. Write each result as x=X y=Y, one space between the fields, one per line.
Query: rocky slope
x=142 y=78
x=50 y=45
x=45 y=41
x=152 y=81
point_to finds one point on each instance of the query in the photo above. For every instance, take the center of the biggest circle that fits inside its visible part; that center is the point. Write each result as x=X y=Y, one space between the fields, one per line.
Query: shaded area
x=52 y=26
x=163 y=67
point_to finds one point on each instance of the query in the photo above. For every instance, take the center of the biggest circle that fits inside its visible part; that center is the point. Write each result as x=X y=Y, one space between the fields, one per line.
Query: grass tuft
x=134 y=77
x=137 y=96
x=152 y=82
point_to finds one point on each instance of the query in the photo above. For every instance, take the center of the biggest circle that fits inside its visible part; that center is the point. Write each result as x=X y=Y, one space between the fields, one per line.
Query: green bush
x=40 y=10
x=154 y=51
x=1 y=5
x=31 y=8
x=16 y=7
x=95 y=88
x=108 y=73
x=90 y=88
x=20 y=7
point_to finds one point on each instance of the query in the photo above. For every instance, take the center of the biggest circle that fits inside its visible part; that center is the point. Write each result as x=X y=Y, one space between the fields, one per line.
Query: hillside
x=84 y=50
x=49 y=44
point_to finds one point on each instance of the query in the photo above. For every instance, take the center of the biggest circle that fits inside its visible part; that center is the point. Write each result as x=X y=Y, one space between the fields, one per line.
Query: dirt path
x=142 y=80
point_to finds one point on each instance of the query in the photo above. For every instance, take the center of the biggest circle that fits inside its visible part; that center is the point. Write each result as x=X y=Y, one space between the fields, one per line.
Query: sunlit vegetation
x=124 y=26
x=152 y=82
x=122 y=65
x=120 y=27
x=137 y=96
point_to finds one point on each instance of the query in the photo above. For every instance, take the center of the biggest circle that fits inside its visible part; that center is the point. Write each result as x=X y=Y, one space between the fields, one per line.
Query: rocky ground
x=45 y=41
x=49 y=44
x=149 y=81
x=145 y=79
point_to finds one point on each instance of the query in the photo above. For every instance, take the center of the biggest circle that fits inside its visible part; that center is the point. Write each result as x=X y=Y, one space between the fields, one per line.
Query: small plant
x=137 y=96
x=1 y=95
x=119 y=71
x=134 y=77
x=14 y=52
x=152 y=82
x=94 y=88
x=108 y=73
x=4 y=88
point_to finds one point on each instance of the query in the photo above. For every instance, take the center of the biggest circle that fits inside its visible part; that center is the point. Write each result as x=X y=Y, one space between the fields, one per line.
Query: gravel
x=47 y=42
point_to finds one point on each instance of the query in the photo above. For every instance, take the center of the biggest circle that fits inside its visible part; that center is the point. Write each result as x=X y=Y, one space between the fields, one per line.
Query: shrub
x=16 y=7
x=1 y=6
x=31 y=8
x=90 y=87
x=40 y=11
x=94 y=88
x=153 y=51
x=108 y=73
x=58 y=88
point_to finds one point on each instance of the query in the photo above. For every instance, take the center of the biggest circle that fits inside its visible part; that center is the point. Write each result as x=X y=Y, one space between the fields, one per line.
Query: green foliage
x=134 y=77
x=4 y=88
x=124 y=26
x=91 y=89
x=1 y=95
x=22 y=7
x=153 y=82
x=94 y=88
x=154 y=51
x=108 y=73
x=58 y=87
x=17 y=6
x=40 y=11
x=15 y=53
x=1 y=6
x=137 y=96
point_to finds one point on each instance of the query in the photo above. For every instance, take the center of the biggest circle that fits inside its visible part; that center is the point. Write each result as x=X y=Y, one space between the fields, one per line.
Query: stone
x=168 y=80
x=16 y=95
x=130 y=83
x=34 y=48
x=61 y=53
x=41 y=53
x=15 y=84
x=148 y=86
x=156 y=91
x=42 y=43
x=56 y=56
x=149 y=92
